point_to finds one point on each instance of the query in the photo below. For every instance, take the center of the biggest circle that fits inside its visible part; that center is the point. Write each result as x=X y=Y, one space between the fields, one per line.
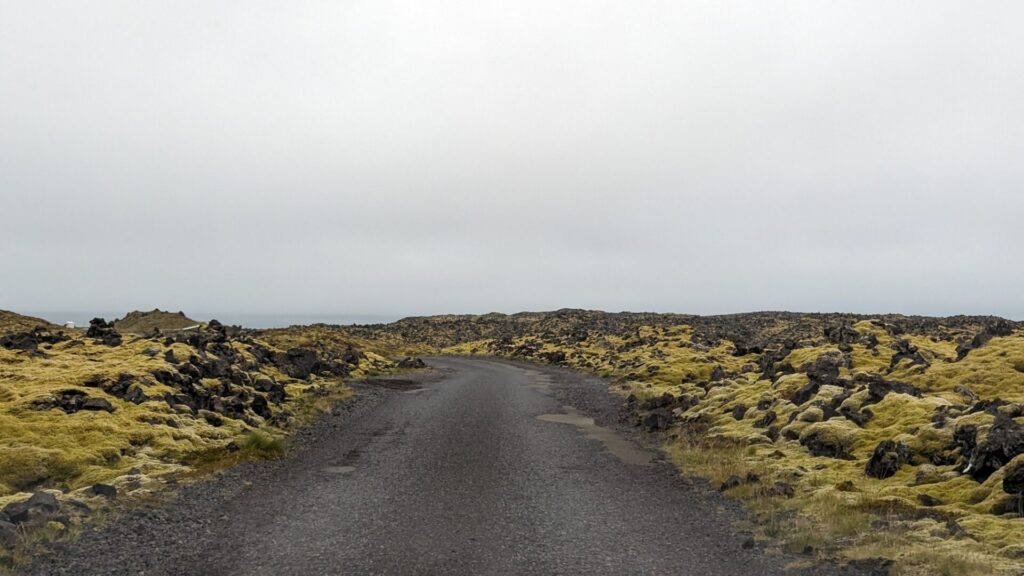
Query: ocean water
x=82 y=318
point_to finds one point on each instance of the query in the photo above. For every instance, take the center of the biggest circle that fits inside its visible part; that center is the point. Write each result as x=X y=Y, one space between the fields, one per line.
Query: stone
x=211 y=418
x=102 y=332
x=31 y=340
x=826 y=439
x=825 y=369
x=905 y=350
x=8 y=534
x=738 y=411
x=998 y=328
x=410 y=363
x=656 y=420
x=37 y=509
x=887 y=459
x=1013 y=477
x=1004 y=442
x=97 y=404
x=766 y=420
x=105 y=490
x=135 y=394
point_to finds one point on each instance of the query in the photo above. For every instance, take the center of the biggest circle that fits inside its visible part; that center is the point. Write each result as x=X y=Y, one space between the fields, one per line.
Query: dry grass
x=13 y=322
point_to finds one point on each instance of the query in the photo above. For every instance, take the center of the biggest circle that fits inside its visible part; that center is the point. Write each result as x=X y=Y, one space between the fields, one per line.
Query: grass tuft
x=262 y=444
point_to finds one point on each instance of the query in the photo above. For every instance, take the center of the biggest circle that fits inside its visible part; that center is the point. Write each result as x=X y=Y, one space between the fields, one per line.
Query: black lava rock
x=888 y=457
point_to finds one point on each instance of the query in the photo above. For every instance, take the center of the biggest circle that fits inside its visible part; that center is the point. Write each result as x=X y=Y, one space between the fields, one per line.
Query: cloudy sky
x=380 y=157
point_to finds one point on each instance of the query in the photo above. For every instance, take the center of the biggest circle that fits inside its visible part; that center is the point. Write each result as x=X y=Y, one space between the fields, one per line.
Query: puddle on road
x=539 y=381
x=620 y=447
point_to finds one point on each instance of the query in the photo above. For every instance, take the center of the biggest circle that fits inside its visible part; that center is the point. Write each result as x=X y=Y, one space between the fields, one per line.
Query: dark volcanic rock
x=821 y=443
x=879 y=388
x=301 y=363
x=805 y=393
x=966 y=437
x=738 y=411
x=103 y=332
x=1013 y=480
x=274 y=392
x=825 y=369
x=94 y=403
x=903 y=350
x=843 y=335
x=859 y=418
x=38 y=509
x=8 y=534
x=117 y=388
x=1005 y=440
x=766 y=420
x=31 y=340
x=71 y=401
x=888 y=457
x=105 y=490
x=411 y=363
x=663 y=401
x=659 y=419
x=998 y=328
x=768 y=360
x=557 y=357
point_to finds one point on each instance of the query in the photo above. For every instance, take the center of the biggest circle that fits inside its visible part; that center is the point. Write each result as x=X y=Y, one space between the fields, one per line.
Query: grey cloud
x=457 y=156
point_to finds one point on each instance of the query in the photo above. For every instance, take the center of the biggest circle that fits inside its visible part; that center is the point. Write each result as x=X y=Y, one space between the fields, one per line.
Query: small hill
x=14 y=322
x=143 y=322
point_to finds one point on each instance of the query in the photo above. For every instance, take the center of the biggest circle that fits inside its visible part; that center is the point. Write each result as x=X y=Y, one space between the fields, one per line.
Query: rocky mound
x=13 y=322
x=449 y=330
x=146 y=322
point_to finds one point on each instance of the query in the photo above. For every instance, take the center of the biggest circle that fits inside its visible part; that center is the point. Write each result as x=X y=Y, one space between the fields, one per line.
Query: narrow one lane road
x=483 y=470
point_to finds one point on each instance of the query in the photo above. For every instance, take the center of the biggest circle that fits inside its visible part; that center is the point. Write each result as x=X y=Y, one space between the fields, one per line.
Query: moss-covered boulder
x=833 y=438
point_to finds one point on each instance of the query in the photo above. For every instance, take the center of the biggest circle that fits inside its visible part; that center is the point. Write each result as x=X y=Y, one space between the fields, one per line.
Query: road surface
x=485 y=469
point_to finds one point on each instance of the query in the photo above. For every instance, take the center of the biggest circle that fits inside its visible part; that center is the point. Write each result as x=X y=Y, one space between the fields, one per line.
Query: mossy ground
x=139 y=446
x=835 y=509
x=14 y=322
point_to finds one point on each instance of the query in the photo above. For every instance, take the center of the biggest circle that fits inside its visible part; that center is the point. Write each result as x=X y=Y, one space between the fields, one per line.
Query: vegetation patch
x=87 y=417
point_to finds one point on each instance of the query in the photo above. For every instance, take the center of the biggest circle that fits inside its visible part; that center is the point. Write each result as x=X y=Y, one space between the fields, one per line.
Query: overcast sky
x=377 y=157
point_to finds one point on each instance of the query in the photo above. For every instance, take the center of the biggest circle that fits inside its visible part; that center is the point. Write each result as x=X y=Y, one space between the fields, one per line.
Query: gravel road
x=485 y=467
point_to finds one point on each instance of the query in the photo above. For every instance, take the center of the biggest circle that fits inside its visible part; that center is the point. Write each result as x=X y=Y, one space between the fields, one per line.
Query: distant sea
x=82 y=318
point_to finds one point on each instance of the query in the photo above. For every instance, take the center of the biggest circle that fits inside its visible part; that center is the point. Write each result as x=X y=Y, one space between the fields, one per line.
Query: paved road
x=483 y=471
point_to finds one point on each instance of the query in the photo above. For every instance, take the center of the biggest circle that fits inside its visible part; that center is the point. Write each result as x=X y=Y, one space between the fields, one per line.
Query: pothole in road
x=619 y=447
